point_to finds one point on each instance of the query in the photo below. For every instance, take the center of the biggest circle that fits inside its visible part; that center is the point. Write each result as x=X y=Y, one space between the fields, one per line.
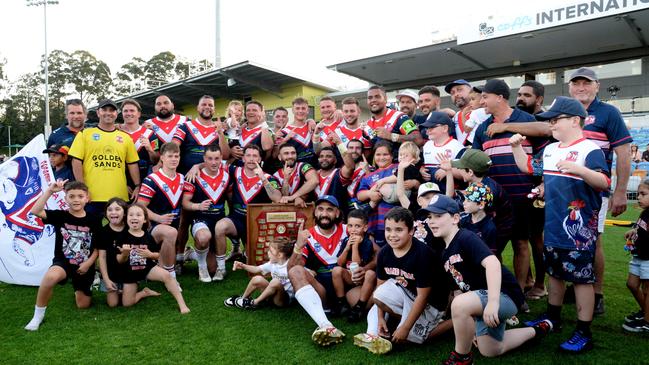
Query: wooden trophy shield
x=269 y=221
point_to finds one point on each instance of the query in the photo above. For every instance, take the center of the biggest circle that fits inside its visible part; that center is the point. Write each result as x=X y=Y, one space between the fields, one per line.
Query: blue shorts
x=639 y=268
x=506 y=310
x=574 y=266
x=326 y=279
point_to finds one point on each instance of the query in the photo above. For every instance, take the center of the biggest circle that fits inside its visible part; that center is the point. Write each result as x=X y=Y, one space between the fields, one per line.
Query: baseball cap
x=478 y=192
x=438 y=118
x=107 y=102
x=329 y=199
x=479 y=89
x=473 y=159
x=428 y=187
x=57 y=148
x=498 y=87
x=409 y=93
x=585 y=73
x=563 y=105
x=441 y=204
x=449 y=86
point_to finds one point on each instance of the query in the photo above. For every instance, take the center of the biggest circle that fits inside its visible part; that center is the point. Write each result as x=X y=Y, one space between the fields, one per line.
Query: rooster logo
x=573 y=225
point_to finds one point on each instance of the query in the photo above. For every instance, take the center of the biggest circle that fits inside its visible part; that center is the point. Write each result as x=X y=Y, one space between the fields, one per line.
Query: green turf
x=154 y=332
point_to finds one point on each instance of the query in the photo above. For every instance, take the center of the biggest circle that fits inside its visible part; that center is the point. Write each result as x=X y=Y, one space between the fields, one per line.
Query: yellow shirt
x=104 y=156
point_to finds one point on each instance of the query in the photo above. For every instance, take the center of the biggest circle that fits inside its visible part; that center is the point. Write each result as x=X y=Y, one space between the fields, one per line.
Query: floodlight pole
x=217 y=33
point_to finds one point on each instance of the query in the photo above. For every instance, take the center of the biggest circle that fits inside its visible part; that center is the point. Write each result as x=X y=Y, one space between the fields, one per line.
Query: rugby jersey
x=145 y=162
x=321 y=252
x=451 y=148
x=301 y=140
x=163 y=193
x=194 y=137
x=297 y=178
x=394 y=121
x=214 y=189
x=165 y=130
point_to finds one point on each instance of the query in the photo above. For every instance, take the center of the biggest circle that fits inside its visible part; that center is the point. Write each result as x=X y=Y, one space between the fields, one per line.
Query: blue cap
x=563 y=105
x=329 y=199
x=438 y=118
x=441 y=204
x=448 y=87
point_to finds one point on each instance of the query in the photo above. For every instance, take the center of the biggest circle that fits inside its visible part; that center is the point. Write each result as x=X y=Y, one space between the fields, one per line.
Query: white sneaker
x=219 y=275
x=204 y=275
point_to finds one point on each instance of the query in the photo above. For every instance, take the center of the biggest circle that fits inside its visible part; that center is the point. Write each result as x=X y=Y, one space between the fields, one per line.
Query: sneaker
x=577 y=343
x=204 y=275
x=599 y=306
x=556 y=326
x=634 y=316
x=325 y=336
x=637 y=326
x=219 y=275
x=543 y=328
x=245 y=303
x=374 y=344
x=231 y=301
x=456 y=359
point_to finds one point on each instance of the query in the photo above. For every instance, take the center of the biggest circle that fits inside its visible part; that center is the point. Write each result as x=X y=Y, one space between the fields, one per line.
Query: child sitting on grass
x=279 y=288
x=74 y=247
x=355 y=269
x=638 y=239
x=139 y=252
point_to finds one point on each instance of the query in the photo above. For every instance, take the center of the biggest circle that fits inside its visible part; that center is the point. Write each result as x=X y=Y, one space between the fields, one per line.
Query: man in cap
x=459 y=91
x=101 y=156
x=314 y=256
x=408 y=103
x=503 y=169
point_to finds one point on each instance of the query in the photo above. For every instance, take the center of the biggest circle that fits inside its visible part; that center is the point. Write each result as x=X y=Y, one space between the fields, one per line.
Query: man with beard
x=192 y=137
x=530 y=97
x=251 y=185
x=255 y=130
x=495 y=96
x=146 y=142
x=459 y=91
x=101 y=156
x=390 y=125
x=296 y=179
x=165 y=122
x=75 y=113
x=309 y=268
x=408 y=103
x=299 y=133
x=333 y=180
x=348 y=130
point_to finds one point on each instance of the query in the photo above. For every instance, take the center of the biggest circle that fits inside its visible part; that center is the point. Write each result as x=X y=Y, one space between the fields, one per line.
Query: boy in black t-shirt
x=74 y=252
x=486 y=293
x=404 y=290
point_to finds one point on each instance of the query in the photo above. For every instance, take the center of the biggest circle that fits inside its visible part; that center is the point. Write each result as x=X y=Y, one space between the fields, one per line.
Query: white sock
x=39 y=314
x=373 y=321
x=201 y=258
x=192 y=255
x=180 y=257
x=310 y=301
x=220 y=262
x=171 y=270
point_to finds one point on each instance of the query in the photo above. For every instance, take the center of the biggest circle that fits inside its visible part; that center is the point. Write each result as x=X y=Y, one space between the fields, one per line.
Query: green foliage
x=154 y=332
x=90 y=77
x=161 y=67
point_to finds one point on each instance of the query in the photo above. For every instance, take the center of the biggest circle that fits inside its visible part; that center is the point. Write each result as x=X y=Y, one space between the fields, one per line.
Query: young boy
x=477 y=197
x=58 y=155
x=574 y=175
x=486 y=294
x=355 y=269
x=74 y=251
x=161 y=193
x=440 y=144
x=404 y=289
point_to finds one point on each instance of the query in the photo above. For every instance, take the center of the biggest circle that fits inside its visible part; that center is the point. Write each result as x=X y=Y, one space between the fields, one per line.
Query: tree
x=90 y=77
x=23 y=110
x=161 y=67
x=129 y=75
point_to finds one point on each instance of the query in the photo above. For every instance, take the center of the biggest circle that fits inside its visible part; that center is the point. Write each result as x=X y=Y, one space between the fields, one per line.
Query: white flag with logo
x=26 y=244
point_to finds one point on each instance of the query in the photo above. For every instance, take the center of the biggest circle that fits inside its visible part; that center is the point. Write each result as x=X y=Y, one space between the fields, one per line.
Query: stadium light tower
x=45 y=3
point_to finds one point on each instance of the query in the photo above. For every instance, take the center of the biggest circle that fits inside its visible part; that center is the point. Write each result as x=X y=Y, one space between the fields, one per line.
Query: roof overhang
x=601 y=40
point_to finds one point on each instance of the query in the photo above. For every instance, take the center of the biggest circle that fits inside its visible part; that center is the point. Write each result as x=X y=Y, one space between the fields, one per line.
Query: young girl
x=387 y=186
x=638 y=243
x=279 y=288
x=108 y=239
x=138 y=251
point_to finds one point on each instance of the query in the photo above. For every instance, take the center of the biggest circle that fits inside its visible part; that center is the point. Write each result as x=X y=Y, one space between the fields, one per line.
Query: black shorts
x=210 y=224
x=574 y=266
x=326 y=279
x=522 y=213
x=80 y=282
x=240 y=225
x=537 y=221
x=135 y=276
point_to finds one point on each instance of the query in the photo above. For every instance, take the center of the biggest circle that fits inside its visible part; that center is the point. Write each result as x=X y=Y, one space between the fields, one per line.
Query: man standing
x=390 y=125
x=459 y=91
x=530 y=97
x=317 y=250
x=299 y=133
x=408 y=103
x=146 y=142
x=330 y=118
x=517 y=184
x=75 y=113
x=100 y=157
x=428 y=101
x=165 y=122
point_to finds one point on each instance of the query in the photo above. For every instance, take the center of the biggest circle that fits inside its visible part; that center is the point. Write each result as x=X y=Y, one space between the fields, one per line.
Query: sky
x=297 y=37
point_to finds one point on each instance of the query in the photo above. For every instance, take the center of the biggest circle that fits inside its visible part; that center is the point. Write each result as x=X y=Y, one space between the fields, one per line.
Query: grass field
x=154 y=332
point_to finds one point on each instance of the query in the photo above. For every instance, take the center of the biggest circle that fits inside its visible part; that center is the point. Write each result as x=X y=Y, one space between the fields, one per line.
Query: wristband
x=394 y=137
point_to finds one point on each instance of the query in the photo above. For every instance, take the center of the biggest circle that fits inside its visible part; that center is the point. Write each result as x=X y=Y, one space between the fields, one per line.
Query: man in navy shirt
x=517 y=185
x=75 y=113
